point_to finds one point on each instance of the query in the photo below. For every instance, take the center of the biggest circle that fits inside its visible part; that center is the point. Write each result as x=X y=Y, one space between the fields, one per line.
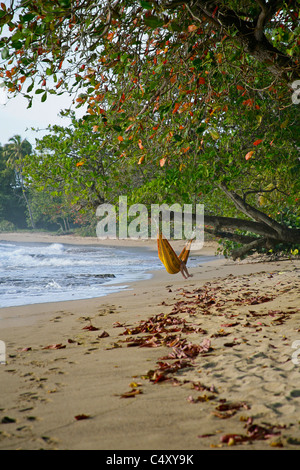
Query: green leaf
x=201 y=129
x=65 y=3
x=17 y=45
x=146 y=5
x=44 y=97
x=5 y=53
x=175 y=27
x=27 y=17
x=215 y=135
x=29 y=89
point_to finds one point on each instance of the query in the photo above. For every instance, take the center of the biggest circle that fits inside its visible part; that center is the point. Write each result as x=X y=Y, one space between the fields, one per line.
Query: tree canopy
x=185 y=102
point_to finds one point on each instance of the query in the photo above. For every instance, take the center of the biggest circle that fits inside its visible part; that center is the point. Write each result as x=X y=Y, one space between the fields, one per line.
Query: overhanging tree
x=196 y=96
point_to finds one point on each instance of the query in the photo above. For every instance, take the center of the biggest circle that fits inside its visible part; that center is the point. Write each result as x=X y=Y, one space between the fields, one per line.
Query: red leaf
x=248 y=102
x=215 y=11
x=257 y=142
x=177 y=105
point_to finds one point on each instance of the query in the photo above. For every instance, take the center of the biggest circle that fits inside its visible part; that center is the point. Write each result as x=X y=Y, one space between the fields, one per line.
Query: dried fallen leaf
x=201 y=398
x=132 y=393
x=233 y=438
x=90 y=328
x=104 y=334
x=224 y=414
x=55 y=346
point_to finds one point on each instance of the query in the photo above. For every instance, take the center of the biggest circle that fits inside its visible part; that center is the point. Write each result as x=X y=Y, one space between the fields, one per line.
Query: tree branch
x=250 y=35
x=240 y=224
x=240 y=252
x=252 y=212
x=230 y=236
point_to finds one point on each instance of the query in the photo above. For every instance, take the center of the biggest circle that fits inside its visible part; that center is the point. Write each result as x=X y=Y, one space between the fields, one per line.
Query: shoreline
x=197 y=364
x=209 y=248
x=124 y=244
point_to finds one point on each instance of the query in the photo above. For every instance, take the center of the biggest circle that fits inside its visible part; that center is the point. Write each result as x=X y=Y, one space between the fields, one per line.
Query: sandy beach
x=211 y=362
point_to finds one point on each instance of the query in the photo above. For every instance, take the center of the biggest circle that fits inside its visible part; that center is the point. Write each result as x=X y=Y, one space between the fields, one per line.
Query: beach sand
x=210 y=362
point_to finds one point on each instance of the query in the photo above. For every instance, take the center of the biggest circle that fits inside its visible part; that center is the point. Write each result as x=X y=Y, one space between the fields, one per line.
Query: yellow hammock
x=170 y=260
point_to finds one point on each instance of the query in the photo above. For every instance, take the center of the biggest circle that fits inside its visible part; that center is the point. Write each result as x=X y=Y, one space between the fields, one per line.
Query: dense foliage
x=12 y=200
x=185 y=102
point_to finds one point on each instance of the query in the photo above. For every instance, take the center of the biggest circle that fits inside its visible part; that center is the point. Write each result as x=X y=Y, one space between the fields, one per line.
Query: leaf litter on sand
x=80 y=417
x=254 y=432
x=133 y=392
x=227 y=410
x=90 y=328
x=170 y=330
x=55 y=346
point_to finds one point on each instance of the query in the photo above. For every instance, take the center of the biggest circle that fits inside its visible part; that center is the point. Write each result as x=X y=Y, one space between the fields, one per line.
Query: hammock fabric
x=169 y=258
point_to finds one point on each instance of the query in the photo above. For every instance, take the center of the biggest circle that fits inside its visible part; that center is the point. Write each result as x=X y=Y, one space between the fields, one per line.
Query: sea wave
x=39 y=272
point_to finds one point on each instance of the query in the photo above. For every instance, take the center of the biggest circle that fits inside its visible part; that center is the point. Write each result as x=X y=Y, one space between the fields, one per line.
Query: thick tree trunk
x=269 y=230
x=272 y=228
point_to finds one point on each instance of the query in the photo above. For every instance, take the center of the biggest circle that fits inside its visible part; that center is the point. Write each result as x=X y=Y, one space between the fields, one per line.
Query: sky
x=15 y=118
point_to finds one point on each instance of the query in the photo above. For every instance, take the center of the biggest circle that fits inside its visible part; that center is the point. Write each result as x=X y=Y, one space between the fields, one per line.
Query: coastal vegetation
x=185 y=102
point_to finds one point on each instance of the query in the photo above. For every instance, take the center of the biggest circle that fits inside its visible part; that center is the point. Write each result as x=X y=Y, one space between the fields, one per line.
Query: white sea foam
x=53 y=285
x=31 y=273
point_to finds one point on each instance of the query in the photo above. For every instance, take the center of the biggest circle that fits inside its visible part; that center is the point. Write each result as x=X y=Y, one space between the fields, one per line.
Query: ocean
x=39 y=272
